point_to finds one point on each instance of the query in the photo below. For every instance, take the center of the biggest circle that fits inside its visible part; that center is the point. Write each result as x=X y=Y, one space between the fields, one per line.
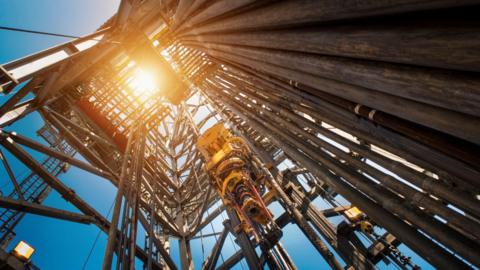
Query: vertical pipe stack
x=399 y=78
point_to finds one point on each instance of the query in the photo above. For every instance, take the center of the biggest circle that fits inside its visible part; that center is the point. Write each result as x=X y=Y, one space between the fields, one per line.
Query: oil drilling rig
x=360 y=119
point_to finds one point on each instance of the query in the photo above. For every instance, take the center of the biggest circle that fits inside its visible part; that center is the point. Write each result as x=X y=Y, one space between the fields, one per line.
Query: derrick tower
x=355 y=121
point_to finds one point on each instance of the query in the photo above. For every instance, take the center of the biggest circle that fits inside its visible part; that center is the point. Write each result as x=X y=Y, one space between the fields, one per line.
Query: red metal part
x=104 y=123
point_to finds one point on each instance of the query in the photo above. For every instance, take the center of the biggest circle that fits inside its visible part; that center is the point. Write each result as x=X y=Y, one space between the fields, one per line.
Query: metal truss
x=350 y=107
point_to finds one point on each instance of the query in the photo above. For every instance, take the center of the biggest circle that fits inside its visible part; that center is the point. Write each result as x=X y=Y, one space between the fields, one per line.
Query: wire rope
x=14 y=29
x=85 y=263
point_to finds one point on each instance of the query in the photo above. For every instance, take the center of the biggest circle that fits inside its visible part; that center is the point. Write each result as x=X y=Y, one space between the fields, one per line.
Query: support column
x=244 y=242
x=185 y=254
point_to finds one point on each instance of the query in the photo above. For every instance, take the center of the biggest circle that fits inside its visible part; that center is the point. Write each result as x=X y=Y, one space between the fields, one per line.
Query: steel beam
x=22 y=69
x=243 y=240
x=54 y=153
x=41 y=210
x=211 y=261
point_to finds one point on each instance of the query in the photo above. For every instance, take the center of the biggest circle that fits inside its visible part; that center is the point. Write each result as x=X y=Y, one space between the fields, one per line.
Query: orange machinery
x=236 y=178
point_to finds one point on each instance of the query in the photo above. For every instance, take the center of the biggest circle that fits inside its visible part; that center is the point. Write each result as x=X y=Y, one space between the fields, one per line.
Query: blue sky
x=65 y=245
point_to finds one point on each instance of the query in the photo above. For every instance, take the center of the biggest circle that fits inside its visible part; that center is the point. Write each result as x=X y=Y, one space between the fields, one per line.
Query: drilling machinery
x=238 y=181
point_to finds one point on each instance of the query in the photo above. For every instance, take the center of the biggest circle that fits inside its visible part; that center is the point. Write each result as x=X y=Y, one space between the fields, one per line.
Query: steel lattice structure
x=366 y=104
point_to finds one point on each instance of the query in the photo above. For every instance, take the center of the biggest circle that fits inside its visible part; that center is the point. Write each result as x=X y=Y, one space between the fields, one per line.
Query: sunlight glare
x=144 y=82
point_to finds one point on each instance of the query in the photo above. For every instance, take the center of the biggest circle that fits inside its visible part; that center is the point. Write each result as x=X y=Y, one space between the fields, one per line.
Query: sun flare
x=144 y=82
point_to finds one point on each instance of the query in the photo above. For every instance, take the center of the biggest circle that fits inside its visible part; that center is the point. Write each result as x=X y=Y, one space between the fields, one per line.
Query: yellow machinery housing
x=356 y=216
x=237 y=180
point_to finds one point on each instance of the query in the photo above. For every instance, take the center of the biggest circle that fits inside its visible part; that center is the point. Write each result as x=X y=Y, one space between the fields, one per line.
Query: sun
x=144 y=82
